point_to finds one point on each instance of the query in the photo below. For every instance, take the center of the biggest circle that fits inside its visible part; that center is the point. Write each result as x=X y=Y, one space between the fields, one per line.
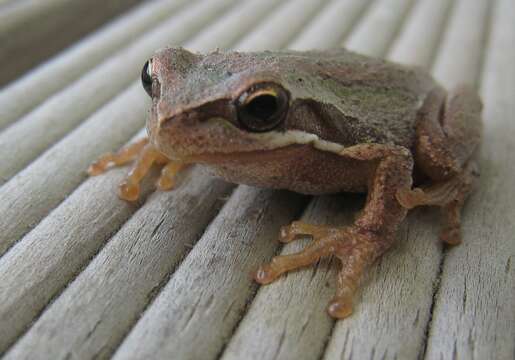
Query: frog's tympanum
x=313 y=122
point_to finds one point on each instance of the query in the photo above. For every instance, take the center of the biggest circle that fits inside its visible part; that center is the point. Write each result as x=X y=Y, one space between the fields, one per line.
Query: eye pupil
x=262 y=108
x=146 y=77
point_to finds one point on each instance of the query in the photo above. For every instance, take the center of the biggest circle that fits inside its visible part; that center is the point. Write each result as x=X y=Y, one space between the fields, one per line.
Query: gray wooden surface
x=85 y=275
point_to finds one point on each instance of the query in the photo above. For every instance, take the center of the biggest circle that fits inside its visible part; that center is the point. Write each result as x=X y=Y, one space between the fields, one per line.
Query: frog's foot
x=354 y=247
x=449 y=195
x=144 y=156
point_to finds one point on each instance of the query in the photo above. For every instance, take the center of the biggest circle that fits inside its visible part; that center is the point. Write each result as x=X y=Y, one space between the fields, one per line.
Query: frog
x=313 y=122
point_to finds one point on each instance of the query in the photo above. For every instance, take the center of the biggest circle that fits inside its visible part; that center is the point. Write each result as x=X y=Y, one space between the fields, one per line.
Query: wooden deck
x=85 y=275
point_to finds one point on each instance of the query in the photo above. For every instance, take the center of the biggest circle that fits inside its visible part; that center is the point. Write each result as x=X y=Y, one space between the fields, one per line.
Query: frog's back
x=362 y=99
x=358 y=99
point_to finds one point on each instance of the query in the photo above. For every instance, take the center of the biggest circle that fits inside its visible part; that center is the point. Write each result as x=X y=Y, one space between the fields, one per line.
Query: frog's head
x=224 y=103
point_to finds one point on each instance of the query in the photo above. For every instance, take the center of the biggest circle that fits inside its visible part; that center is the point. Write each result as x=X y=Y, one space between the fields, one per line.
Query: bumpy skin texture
x=352 y=123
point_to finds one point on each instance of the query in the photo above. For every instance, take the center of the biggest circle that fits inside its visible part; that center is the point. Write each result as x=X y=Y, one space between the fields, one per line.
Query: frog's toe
x=451 y=235
x=122 y=157
x=129 y=191
x=354 y=247
x=451 y=232
x=298 y=229
x=266 y=274
x=168 y=177
x=144 y=156
x=340 y=307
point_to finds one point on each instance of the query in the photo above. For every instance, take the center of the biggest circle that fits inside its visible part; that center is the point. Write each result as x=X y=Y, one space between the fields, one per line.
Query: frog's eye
x=146 y=77
x=262 y=107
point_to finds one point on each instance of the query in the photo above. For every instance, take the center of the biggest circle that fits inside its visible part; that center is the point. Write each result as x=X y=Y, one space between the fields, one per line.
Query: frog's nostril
x=181 y=119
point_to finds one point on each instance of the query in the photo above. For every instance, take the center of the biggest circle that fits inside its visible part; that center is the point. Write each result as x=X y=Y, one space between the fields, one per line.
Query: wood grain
x=36 y=190
x=272 y=32
x=95 y=312
x=207 y=295
x=51 y=255
x=234 y=25
x=420 y=38
x=474 y=313
x=381 y=24
x=17 y=98
x=330 y=26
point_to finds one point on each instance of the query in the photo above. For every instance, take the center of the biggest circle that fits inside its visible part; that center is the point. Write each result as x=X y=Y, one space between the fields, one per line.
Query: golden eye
x=262 y=107
x=146 y=77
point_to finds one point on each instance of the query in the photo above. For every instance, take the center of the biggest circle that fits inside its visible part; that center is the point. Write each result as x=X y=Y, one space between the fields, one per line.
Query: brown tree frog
x=313 y=122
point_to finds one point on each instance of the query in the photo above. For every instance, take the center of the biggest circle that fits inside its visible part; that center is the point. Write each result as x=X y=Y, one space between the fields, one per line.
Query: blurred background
x=31 y=31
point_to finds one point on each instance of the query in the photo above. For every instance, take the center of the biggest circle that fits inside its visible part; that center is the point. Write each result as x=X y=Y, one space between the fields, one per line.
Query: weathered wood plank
x=50 y=256
x=330 y=26
x=267 y=35
x=375 y=33
x=207 y=294
x=95 y=312
x=474 y=313
x=233 y=26
x=402 y=284
x=36 y=190
x=18 y=98
x=39 y=129
x=415 y=43
x=18 y=211
x=57 y=271
x=466 y=33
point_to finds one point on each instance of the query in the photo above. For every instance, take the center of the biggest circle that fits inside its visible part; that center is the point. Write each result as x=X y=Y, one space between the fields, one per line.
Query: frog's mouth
x=219 y=141
x=241 y=157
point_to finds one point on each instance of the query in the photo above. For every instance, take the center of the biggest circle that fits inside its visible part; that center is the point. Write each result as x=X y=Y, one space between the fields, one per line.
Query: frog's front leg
x=358 y=245
x=144 y=155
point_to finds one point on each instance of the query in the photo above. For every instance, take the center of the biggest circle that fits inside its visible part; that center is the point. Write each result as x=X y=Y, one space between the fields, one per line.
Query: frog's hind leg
x=444 y=153
x=144 y=155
